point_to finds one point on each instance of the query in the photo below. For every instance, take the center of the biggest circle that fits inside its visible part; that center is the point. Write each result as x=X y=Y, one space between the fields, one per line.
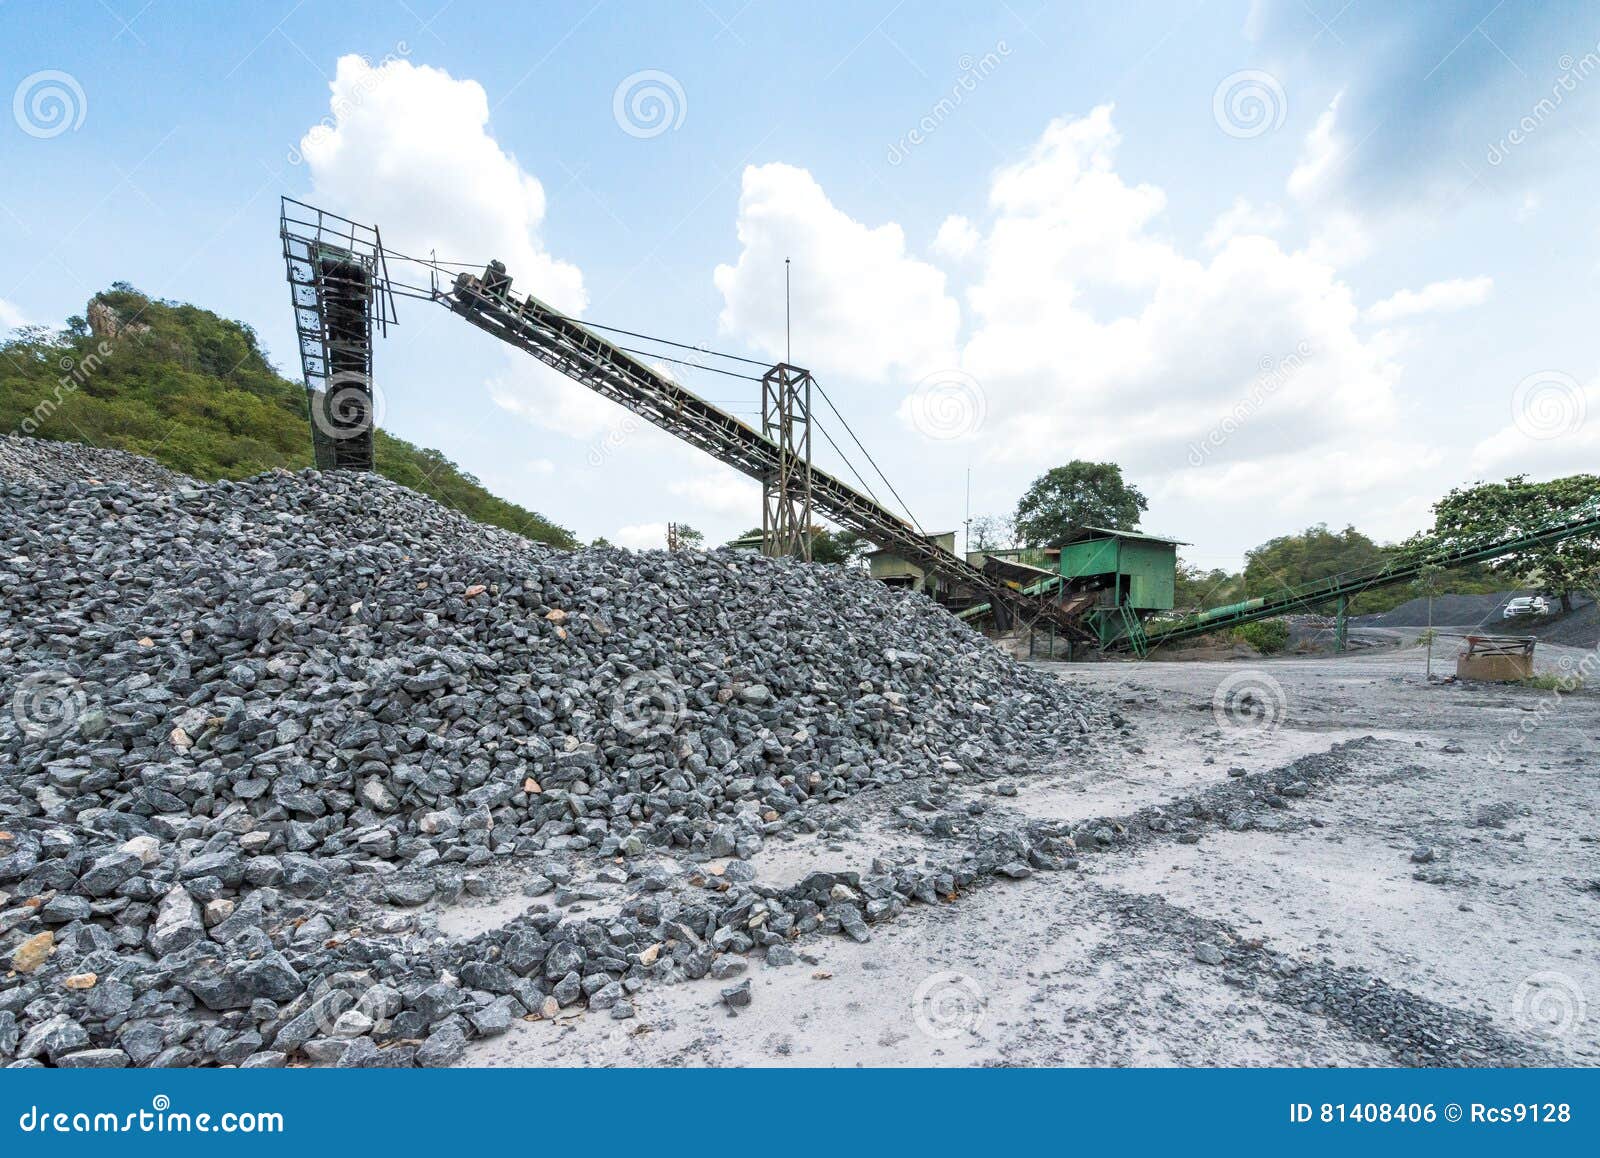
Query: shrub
x=1265 y=635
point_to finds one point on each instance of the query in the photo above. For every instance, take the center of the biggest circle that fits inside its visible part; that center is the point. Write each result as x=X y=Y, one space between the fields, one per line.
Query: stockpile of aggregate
x=247 y=726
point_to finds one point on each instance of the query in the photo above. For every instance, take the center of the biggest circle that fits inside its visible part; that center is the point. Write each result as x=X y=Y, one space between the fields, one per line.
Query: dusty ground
x=1483 y=946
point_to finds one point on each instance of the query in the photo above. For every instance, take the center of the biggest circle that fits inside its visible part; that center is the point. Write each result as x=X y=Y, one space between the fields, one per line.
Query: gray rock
x=108 y=872
x=53 y=1037
x=444 y=1047
x=177 y=925
x=93 y=1059
x=272 y=977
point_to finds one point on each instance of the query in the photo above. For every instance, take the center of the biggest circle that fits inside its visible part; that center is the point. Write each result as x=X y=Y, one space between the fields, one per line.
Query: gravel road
x=1398 y=884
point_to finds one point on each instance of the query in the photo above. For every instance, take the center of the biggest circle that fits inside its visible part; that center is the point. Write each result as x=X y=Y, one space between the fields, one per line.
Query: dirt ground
x=1427 y=884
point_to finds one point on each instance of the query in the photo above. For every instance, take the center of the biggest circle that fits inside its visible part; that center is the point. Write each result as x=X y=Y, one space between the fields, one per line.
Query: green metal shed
x=1134 y=573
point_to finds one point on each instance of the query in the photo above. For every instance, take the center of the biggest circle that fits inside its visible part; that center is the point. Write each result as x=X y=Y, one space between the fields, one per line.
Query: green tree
x=1489 y=510
x=195 y=392
x=1080 y=494
x=841 y=546
x=1315 y=553
x=1199 y=590
x=991 y=533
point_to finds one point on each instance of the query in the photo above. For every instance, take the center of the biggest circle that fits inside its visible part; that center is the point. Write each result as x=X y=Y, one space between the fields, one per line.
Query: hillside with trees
x=196 y=393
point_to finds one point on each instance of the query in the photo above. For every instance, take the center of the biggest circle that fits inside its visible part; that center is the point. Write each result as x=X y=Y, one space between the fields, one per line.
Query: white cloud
x=1339 y=239
x=1300 y=482
x=531 y=390
x=957 y=238
x=720 y=490
x=409 y=147
x=642 y=536
x=1434 y=298
x=862 y=305
x=1244 y=219
x=1094 y=335
x=10 y=317
x=1323 y=151
x=1555 y=430
x=541 y=466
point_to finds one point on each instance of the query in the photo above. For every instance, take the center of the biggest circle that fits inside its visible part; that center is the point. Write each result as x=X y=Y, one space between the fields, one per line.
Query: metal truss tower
x=786 y=514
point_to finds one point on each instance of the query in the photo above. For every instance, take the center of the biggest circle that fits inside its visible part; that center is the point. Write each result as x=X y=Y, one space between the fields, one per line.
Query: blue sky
x=1287 y=262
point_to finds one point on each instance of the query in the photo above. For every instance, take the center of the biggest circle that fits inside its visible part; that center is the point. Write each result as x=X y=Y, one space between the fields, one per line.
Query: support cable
x=875 y=466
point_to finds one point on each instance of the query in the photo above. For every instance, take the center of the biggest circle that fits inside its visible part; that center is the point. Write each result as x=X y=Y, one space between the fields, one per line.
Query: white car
x=1525 y=605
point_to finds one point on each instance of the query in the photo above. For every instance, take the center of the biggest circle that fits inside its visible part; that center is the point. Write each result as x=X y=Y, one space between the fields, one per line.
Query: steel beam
x=786 y=514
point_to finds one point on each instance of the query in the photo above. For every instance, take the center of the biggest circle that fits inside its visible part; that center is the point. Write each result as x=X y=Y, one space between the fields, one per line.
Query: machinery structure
x=1107 y=590
x=1337 y=590
x=339 y=285
x=778 y=456
x=786 y=490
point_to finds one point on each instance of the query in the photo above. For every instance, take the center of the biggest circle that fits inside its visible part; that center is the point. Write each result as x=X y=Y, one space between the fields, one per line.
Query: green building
x=1133 y=575
x=898 y=571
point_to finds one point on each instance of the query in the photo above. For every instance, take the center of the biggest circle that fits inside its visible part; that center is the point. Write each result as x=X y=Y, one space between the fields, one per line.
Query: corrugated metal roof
x=1083 y=533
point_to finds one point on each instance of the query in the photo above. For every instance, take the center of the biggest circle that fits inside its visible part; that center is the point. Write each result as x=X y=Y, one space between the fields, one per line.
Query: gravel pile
x=48 y=464
x=249 y=728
